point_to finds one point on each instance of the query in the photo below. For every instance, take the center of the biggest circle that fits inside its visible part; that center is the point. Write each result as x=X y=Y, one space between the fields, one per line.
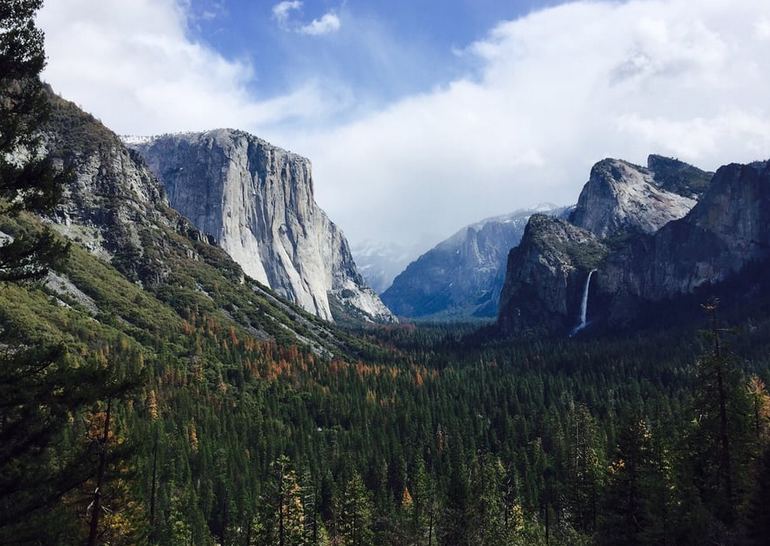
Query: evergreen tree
x=759 y=400
x=722 y=439
x=39 y=387
x=284 y=516
x=28 y=180
x=311 y=497
x=454 y=520
x=583 y=468
x=758 y=516
x=354 y=514
x=487 y=511
x=625 y=514
x=423 y=507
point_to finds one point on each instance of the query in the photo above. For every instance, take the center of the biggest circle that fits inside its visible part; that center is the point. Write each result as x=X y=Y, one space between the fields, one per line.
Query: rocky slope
x=462 y=276
x=115 y=208
x=723 y=238
x=620 y=197
x=256 y=201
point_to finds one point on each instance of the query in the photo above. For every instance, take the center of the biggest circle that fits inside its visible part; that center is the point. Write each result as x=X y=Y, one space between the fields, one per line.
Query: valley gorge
x=192 y=353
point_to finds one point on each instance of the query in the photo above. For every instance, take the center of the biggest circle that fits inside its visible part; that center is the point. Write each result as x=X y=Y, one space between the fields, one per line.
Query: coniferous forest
x=149 y=414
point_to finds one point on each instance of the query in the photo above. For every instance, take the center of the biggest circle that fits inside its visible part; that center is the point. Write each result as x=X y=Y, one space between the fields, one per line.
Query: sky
x=422 y=116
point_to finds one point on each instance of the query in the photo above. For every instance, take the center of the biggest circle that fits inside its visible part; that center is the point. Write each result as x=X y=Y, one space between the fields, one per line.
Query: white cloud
x=282 y=10
x=133 y=65
x=762 y=29
x=550 y=94
x=327 y=24
x=556 y=91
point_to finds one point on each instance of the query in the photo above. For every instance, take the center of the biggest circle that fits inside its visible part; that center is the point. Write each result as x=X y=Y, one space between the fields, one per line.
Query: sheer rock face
x=545 y=276
x=256 y=200
x=115 y=207
x=727 y=231
x=620 y=197
x=462 y=276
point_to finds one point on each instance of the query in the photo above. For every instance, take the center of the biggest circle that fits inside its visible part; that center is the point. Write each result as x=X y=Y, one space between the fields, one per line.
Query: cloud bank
x=545 y=97
x=555 y=92
x=133 y=65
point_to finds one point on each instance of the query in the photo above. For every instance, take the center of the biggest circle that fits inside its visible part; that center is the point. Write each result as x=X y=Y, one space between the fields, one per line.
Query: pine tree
x=758 y=516
x=354 y=514
x=283 y=520
x=423 y=508
x=584 y=469
x=487 y=513
x=722 y=437
x=39 y=386
x=28 y=180
x=311 y=496
x=454 y=519
x=625 y=514
x=760 y=408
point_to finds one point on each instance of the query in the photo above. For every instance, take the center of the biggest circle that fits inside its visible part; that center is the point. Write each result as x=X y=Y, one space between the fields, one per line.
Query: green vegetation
x=442 y=437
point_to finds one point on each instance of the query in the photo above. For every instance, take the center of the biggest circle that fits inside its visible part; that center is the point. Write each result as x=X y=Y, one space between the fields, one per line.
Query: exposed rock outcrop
x=621 y=198
x=256 y=200
x=112 y=199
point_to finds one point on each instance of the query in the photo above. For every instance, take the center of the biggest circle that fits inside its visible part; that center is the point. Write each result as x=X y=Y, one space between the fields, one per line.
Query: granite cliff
x=621 y=197
x=142 y=252
x=256 y=201
x=666 y=234
x=545 y=275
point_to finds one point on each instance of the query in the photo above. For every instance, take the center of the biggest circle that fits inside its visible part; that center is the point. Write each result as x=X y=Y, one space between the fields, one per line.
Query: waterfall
x=584 y=305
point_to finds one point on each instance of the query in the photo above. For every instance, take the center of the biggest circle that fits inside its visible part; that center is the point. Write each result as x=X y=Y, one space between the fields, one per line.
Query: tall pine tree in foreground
x=28 y=180
x=722 y=438
x=41 y=385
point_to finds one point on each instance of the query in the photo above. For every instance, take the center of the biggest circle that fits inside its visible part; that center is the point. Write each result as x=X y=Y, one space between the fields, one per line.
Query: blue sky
x=382 y=50
x=421 y=117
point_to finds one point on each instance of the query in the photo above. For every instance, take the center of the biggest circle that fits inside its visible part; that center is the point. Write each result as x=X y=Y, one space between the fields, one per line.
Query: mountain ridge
x=645 y=264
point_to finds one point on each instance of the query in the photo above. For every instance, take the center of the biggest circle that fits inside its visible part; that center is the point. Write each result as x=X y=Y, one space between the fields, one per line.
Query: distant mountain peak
x=461 y=277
